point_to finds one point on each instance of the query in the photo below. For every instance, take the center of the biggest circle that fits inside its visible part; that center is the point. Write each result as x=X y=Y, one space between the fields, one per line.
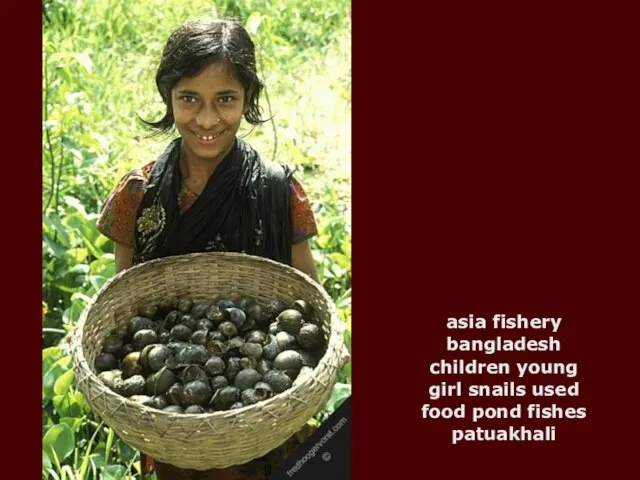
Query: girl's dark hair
x=199 y=43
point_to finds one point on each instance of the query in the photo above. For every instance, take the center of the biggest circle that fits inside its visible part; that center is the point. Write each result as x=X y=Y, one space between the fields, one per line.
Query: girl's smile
x=208 y=109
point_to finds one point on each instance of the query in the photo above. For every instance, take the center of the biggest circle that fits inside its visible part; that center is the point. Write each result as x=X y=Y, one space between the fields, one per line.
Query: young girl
x=210 y=190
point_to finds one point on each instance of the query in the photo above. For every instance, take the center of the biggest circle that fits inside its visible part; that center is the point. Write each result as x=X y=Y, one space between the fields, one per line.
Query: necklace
x=184 y=184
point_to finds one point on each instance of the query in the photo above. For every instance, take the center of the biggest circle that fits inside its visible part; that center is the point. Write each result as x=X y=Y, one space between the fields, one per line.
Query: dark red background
x=492 y=154
x=493 y=149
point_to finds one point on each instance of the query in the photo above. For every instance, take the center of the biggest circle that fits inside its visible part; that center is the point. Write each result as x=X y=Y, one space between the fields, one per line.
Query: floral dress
x=118 y=218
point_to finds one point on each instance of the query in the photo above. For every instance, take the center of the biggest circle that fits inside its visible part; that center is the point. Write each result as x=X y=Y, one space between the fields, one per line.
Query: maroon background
x=492 y=174
x=21 y=240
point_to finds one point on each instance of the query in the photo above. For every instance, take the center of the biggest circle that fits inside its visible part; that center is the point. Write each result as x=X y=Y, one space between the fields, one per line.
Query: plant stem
x=58 y=182
x=85 y=460
x=273 y=123
x=46 y=133
x=107 y=448
x=54 y=330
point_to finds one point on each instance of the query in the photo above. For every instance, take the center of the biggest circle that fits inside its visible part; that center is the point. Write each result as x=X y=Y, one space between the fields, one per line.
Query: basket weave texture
x=219 y=439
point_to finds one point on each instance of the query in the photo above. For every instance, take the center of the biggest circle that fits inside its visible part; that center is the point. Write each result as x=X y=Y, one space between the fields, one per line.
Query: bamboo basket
x=220 y=439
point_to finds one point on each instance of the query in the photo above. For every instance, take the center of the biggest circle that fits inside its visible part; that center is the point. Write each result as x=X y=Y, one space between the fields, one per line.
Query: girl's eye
x=226 y=99
x=188 y=99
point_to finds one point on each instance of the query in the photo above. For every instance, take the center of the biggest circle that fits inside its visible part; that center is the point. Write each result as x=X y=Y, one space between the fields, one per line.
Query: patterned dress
x=118 y=217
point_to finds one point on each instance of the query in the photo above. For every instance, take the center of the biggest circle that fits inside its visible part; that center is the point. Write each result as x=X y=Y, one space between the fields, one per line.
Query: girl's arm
x=124 y=257
x=302 y=259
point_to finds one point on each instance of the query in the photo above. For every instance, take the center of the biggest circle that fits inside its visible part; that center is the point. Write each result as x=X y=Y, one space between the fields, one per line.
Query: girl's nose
x=207 y=118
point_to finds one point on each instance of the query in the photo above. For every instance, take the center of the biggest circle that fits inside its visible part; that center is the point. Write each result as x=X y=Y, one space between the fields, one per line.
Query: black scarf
x=245 y=207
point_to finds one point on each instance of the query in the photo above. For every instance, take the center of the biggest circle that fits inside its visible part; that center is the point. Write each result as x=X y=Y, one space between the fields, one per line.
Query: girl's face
x=207 y=110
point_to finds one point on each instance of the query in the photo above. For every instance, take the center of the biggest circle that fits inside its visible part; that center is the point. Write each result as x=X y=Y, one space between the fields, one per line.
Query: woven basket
x=220 y=439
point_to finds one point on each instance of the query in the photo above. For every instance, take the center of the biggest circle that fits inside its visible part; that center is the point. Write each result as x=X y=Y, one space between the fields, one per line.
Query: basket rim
x=334 y=343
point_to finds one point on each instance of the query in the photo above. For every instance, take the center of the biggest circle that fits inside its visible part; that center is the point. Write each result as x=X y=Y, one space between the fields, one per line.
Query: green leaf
x=78 y=398
x=89 y=141
x=77 y=255
x=80 y=222
x=80 y=268
x=102 y=141
x=101 y=241
x=341 y=391
x=67 y=406
x=65 y=288
x=97 y=460
x=61 y=265
x=54 y=248
x=327 y=274
x=52 y=354
x=323 y=240
x=63 y=383
x=341 y=260
x=46 y=462
x=76 y=205
x=60 y=439
x=105 y=265
x=279 y=40
x=50 y=124
x=114 y=472
x=97 y=281
x=51 y=265
x=96 y=252
x=346 y=372
x=73 y=422
x=86 y=457
x=253 y=23
x=337 y=270
x=49 y=380
x=84 y=60
x=345 y=299
x=56 y=227
x=81 y=297
x=68 y=473
x=72 y=314
x=125 y=452
x=65 y=362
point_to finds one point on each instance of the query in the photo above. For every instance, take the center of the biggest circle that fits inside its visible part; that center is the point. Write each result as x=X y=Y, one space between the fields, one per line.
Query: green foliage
x=99 y=61
x=74 y=444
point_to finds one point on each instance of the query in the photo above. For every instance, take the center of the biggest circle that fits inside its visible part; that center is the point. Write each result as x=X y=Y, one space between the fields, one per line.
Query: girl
x=210 y=190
